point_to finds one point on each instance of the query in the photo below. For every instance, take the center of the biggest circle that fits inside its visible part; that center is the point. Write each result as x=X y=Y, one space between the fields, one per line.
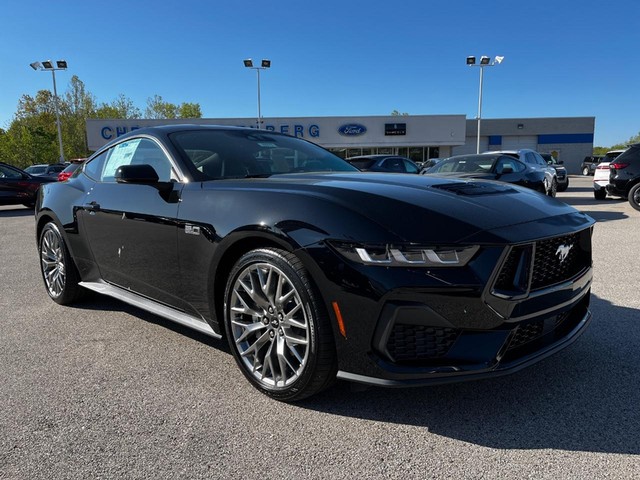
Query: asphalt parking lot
x=104 y=390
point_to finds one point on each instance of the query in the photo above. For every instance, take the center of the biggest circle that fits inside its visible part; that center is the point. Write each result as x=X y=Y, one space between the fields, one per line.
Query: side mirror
x=141 y=174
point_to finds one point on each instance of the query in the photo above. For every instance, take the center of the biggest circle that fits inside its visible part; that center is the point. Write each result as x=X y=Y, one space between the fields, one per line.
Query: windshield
x=465 y=164
x=35 y=170
x=244 y=153
x=362 y=163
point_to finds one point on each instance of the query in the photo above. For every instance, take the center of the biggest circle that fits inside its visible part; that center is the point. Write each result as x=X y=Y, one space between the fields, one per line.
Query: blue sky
x=332 y=58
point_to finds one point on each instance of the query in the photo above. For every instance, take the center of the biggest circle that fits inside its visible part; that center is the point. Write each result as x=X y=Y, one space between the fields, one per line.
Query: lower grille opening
x=419 y=342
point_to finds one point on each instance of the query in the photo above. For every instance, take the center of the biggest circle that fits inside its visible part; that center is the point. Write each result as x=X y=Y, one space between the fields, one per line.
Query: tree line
x=617 y=146
x=31 y=137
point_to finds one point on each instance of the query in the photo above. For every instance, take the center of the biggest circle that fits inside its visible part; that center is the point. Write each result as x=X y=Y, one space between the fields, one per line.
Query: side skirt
x=151 y=306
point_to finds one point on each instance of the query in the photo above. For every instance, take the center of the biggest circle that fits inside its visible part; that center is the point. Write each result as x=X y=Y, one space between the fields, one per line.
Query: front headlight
x=406 y=255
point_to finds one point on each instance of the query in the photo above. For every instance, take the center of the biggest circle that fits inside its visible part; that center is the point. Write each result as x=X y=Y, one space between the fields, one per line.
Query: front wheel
x=634 y=196
x=585 y=171
x=58 y=270
x=564 y=186
x=553 y=189
x=277 y=326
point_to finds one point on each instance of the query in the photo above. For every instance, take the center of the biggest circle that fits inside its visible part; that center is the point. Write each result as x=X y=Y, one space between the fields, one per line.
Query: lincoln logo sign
x=563 y=251
x=352 y=129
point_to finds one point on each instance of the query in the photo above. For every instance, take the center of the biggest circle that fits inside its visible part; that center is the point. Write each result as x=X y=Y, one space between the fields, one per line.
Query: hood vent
x=475 y=188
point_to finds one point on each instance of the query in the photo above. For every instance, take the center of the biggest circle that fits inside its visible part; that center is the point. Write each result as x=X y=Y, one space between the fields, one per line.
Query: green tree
x=78 y=105
x=157 y=108
x=189 y=110
x=32 y=137
x=396 y=113
x=121 y=107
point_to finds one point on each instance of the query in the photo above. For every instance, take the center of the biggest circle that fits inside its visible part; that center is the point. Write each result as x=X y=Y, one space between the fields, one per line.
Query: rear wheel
x=277 y=327
x=58 y=270
x=634 y=196
x=600 y=194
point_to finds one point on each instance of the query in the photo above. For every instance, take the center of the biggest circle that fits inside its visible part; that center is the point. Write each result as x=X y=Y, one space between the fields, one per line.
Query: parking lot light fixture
x=266 y=63
x=485 y=61
x=47 y=65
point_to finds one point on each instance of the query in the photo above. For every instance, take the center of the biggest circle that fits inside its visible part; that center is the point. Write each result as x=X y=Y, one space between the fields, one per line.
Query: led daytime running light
x=409 y=256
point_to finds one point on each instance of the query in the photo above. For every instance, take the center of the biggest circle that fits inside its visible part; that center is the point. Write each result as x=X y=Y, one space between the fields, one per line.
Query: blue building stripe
x=495 y=139
x=565 y=138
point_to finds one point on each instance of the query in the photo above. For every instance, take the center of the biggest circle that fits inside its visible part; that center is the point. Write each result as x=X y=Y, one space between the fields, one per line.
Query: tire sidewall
x=633 y=196
x=298 y=278
x=70 y=288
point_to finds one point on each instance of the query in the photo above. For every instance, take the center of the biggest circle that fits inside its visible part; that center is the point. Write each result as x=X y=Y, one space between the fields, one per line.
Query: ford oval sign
x=352 y=129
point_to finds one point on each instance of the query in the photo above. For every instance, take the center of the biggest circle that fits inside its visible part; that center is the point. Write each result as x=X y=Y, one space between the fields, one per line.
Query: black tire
x=585 y=171
x=277 y=326
x=634 y=196
x=599 y=194
x=553 y=190
x=59 y=272
x=564 y=186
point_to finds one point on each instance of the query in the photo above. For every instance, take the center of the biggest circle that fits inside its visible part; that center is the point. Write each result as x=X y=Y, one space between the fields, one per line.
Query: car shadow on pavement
x=600 y=216
x=578 y=201
x=18 y=211
x=97 y=302
x=584 y=398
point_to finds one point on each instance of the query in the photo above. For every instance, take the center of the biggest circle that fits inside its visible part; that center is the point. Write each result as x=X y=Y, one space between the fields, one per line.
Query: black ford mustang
x=313 y=270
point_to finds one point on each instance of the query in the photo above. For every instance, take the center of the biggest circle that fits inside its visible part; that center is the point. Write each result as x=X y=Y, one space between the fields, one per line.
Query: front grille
x=558 y=259
x=555 y=260
x=419 y=342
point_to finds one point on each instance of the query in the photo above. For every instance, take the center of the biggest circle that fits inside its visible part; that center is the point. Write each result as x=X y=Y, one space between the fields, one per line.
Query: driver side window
x=138 y=151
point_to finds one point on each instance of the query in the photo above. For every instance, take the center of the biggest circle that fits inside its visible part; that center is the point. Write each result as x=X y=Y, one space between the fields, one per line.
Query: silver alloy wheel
x=52 y=260
x=269 y=325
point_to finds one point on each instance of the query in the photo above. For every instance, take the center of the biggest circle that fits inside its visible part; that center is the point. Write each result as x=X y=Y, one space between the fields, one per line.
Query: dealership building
x=418 y=137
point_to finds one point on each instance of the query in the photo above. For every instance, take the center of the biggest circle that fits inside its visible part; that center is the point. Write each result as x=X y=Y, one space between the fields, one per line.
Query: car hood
x=417 y=208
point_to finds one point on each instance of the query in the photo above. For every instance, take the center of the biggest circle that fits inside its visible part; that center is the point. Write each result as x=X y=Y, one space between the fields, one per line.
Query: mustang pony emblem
x=563 y=251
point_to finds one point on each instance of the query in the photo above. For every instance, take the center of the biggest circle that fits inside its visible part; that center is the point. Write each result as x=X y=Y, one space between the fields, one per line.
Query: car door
x=132 y=227
x=15 y=186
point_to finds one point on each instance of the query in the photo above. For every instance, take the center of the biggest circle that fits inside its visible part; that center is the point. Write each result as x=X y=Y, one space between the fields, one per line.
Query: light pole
x=47 y=65
x=484 y=62
x=263 y=66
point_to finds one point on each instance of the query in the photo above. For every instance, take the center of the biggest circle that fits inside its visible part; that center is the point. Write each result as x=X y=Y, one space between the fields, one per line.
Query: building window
x=416 y=154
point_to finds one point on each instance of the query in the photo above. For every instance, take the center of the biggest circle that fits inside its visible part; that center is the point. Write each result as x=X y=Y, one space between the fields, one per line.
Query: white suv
x=601 y=175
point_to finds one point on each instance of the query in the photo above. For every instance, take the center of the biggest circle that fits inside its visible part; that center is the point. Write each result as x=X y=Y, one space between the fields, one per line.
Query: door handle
x=91 y=207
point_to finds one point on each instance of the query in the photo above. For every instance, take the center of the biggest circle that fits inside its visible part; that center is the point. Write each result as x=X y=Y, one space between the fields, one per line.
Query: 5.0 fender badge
x=191 y=229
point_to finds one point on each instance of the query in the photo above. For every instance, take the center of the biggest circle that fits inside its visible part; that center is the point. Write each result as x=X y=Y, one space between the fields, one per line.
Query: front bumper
x=489 y=354
x=416 y=326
